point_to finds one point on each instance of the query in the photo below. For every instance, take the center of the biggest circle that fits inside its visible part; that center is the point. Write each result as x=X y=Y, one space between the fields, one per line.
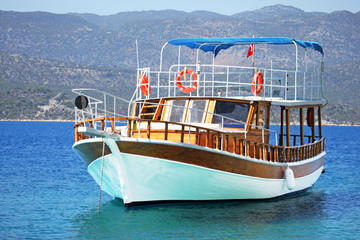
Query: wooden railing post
x=241 y=147
x=237 y=146
x=90 y=126
x=197 y=142
x=82 y=135
x=207 y=138
x=76 y=133
x=182 y=133
x=226 y=142
x=113 y=124
x=148 y=129
x=166 y=130
x=129 y=128
x=282 y=127
x=287 y=113
x=247 y=148
x=219 y=141
x=102 y=125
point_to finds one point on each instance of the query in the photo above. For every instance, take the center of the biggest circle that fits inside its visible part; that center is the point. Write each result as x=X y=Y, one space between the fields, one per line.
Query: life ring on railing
x=257 y=83
x=309 y=117
x=144 y=85
x=180 y=86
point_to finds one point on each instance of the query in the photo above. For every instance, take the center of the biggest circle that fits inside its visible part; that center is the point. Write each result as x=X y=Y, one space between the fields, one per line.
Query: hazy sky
x=227 y=7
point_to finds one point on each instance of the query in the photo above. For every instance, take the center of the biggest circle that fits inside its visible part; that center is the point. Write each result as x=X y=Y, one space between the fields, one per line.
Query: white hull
x=141 y=179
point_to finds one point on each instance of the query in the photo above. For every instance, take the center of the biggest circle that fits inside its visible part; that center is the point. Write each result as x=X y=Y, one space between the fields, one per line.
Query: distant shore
x=31 y=120
x=325 y=123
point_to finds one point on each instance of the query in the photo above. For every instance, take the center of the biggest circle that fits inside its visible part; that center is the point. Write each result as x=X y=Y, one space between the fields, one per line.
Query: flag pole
x=253 y=57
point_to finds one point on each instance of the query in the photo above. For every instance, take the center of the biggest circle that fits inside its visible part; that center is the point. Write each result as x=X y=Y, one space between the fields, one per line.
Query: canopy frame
x=215 y=45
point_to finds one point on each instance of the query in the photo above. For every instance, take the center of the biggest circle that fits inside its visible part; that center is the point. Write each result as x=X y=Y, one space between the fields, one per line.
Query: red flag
x=250 y=51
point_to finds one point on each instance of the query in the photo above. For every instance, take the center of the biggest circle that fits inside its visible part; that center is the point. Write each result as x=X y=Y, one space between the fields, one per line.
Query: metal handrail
x=297 y=85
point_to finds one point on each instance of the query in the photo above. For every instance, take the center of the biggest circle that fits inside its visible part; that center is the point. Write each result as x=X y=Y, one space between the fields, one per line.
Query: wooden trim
x=287 y=113
x=148 y=129
x=268 y=109
x=250 y=117
x=251 y=145
x=281 y=142
x=186 y=111
x=102 y=125
x=319 y=122
x=165 y=113
x=313 y=127
x=210 y=109
x=159 y=109
x=182 y=133
x=93 y=150
x=301 y=126
x=216 y=160
x=166 y=130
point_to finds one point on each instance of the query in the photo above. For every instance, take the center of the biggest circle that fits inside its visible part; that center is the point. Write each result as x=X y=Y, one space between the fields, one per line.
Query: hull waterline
x=141 y=179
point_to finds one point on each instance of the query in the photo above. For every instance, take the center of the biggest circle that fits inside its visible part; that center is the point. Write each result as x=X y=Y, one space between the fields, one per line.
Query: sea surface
x=46 y=193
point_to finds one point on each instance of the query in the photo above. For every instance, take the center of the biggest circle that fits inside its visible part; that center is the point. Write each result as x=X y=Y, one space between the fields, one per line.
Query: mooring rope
x=102 y=170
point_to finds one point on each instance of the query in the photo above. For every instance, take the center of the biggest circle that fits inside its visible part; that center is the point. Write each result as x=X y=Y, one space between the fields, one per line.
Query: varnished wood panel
x=203 y=158
x=215 y=160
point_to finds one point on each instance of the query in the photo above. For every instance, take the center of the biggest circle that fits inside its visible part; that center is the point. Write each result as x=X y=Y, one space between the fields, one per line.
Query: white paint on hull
x=154 y=179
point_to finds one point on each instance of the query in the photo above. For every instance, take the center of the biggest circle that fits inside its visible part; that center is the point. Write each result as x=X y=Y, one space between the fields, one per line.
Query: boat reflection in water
x=285 y=217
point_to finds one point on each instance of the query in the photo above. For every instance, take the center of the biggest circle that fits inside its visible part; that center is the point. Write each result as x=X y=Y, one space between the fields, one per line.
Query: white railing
x=101 y=105
x=234 y=81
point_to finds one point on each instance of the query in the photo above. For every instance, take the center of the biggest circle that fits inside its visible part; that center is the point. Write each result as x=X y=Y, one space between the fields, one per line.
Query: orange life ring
x=257 y=83
x=180 y=86
x=144 y=85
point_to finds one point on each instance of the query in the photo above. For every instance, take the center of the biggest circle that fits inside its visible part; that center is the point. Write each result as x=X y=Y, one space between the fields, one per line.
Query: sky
x=226 y=7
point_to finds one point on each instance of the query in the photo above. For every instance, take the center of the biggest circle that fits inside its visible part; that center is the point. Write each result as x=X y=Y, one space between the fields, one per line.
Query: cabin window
x=235 y=110
x=177 y=110
x=196 y=114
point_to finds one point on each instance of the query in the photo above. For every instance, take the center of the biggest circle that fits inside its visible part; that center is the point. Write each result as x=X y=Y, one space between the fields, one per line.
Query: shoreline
x=55 y=120
x=32 y=120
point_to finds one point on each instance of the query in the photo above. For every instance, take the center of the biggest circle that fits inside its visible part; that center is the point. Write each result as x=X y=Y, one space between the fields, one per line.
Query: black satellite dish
x=81 y=102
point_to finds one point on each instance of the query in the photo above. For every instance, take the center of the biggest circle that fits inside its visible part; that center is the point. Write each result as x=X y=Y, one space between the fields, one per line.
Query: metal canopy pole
x=296 y=54
x=297 y=68
x=161 y=55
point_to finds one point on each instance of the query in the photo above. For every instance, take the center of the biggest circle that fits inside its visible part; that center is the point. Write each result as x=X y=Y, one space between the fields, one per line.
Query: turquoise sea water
x=46 y=193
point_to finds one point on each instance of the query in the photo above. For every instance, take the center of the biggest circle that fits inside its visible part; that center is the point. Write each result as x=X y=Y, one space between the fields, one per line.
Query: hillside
x=35 y=103
x=57 y=52
x=34 y=88
x=87 y=43
x=117 y=21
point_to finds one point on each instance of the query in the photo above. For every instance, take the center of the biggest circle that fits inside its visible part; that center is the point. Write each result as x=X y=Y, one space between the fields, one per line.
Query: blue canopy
x=217 y=44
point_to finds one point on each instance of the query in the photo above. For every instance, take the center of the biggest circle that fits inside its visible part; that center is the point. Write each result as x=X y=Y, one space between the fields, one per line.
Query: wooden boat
x=202 y=132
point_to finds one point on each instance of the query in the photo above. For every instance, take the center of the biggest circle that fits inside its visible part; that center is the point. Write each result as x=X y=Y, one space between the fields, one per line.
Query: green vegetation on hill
x=35 y=103
x=45 y=55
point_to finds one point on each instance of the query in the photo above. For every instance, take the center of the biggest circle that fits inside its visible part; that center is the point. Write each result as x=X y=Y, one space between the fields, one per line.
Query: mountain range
x=62 y=51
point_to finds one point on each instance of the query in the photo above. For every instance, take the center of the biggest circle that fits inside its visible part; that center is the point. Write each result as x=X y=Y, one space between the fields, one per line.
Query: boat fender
x=257 y=83
x=289 y=178
x=144 y=85
x=178 y=81
x=309 y=117
x=81 y=102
